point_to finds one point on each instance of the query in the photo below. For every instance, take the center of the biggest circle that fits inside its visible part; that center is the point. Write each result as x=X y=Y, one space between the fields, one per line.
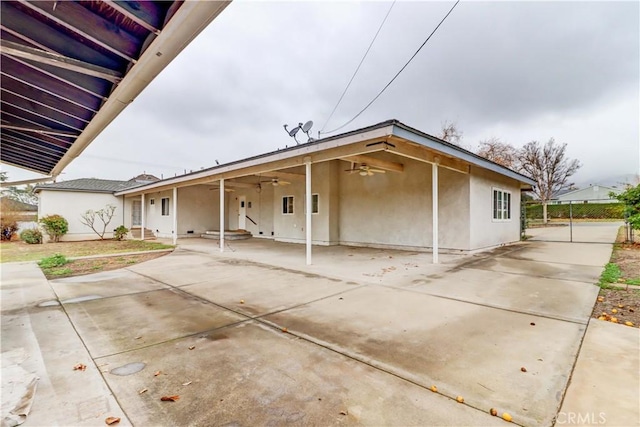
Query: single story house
x=25 y=214
x=73 y=198
x=592 y=194
x=384 y=186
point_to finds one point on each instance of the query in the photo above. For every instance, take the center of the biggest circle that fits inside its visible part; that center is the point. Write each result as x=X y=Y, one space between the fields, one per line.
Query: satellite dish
x=307 y=126
x=293 y=131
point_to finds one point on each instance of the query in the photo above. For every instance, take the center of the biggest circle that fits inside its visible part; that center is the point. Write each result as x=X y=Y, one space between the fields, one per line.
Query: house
x=592 y=194
x=25 y=214
x=74 y=197
x=384 y=186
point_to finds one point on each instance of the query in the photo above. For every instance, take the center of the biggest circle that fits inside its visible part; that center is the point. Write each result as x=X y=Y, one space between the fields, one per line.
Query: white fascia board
x=190 y=19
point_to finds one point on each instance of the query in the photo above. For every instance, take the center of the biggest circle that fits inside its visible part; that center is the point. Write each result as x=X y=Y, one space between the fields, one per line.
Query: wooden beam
x=417 y=152
x=285 y=175
x=20 y=51
x=135 y=18
x=376 y=163
x=42 y=131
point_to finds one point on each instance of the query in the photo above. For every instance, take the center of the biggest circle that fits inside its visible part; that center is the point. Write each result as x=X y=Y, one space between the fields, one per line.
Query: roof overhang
x=69 y=69
x=390 y=136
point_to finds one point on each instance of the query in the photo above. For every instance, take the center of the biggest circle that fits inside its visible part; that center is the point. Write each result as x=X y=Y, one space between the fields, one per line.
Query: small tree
x=55 y=226
x=549 y=167
x=450 y=133
x=499 y=152
x=105 y=216
x=9 y=218
x=631 y=199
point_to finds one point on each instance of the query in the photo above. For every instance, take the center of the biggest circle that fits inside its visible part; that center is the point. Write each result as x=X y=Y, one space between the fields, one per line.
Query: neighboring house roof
x=384 y=131
x=145 y=178
x=92 y=185
x=16 y=205
x=594 y=189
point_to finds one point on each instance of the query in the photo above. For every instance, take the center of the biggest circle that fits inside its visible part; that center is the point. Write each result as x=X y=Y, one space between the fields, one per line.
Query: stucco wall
x=260 y=211
x=72 y=204
x=485 y=231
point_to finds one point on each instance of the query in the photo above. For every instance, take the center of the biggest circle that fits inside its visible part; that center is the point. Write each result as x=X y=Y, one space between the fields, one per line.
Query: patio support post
x=308 y=207
x=222 y=215
x=434 y=207
x=142 y=217
x=175 y=215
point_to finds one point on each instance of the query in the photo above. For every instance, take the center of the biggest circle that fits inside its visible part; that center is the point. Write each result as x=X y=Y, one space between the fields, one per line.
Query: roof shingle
x=89 y=184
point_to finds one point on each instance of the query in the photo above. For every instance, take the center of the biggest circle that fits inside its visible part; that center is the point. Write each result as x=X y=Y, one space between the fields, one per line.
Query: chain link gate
x=585 y=221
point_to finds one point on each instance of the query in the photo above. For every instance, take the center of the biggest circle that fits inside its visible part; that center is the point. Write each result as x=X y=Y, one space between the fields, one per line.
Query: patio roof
x=69 y=68
x=390 y=136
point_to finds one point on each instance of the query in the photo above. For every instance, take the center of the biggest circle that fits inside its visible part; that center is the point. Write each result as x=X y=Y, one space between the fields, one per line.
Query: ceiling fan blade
x=378 y=170
x=284 y=182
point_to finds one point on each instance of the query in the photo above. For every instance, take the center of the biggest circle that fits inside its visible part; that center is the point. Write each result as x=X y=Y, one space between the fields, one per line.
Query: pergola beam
x=41 y=131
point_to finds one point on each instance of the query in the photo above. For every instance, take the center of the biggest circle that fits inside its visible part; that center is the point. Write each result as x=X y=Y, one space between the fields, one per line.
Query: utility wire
x=398 y=73
x=358 y=68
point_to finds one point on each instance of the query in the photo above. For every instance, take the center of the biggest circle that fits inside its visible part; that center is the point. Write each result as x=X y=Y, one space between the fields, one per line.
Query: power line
x=358 y=68
x=398 y=73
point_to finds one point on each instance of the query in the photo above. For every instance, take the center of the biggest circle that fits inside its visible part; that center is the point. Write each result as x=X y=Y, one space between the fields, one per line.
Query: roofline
x=190 y=19
x=585 y=188
x=73 y=190
x=380 y=130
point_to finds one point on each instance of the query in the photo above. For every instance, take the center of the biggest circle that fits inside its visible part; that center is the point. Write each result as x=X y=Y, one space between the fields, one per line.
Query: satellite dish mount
x=306 y=128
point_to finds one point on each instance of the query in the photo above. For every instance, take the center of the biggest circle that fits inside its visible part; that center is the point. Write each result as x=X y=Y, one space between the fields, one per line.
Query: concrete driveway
x=368 y=332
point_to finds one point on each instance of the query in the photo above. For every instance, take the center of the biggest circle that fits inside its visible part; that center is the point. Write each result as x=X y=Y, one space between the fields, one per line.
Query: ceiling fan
x=276 y=181
x=364 y=170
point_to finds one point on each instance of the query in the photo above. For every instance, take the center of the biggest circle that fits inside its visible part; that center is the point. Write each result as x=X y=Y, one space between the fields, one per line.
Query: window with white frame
x=165 y=206
x=152 y=202
x=287 y=205
x=501 y=205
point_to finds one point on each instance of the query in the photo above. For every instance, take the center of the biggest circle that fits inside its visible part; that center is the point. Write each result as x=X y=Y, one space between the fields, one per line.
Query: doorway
x=136 y=213
x=242 y=212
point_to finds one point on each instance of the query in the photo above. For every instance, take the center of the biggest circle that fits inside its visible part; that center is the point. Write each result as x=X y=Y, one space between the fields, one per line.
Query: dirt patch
x=627 y=257
x=626 y=304
x=96 y=265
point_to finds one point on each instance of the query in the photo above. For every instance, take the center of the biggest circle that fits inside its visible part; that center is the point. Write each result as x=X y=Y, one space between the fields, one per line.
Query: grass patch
x=57 y=260
x=21 y=251
x=611 y=274
x=60 y=272
x=79 y=267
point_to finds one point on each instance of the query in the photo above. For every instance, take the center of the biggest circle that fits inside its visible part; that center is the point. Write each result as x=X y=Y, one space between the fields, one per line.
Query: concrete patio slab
x=41 y=341
x=558 y=299
x=585 y=232
x=464 y=349
x=250 y=374
x=124 y=323
x=265 y=289
x=565 y=253
x=105 y=284
x=585 y=273
x=605 y=387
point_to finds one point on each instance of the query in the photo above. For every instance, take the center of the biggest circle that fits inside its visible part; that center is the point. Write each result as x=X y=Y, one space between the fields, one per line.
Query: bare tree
x=450 y=133
x=104 y=215
x=499 y=152
x=549 y=167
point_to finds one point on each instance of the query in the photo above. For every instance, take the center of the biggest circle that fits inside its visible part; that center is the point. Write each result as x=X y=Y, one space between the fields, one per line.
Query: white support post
x=175 y=215
x=142 y=217
x=308 y=211
x=222 y=215
x=434 y=207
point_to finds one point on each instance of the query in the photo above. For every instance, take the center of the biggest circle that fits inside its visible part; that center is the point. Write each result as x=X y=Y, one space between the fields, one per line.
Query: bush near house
x=31 y=236
x=55 y=226
x=578 y=211
x=120 y=232
x=631 y=200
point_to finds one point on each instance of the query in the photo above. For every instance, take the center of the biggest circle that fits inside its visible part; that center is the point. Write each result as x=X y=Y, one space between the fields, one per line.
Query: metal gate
x=585 y=221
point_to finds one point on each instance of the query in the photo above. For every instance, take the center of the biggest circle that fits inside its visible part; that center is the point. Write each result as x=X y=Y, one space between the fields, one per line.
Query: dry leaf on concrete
x=170 y=398
x=156 y=373
x=80 y=367
x=112 y=420
x=144 y=390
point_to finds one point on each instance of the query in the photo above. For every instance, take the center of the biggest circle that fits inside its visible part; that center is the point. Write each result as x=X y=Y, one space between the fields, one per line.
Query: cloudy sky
x=518 y=71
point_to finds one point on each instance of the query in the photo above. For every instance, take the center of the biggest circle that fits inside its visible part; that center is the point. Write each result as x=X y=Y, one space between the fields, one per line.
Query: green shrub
x=31 y=236
x=120 y=233
x=55 y=226
x=611 y=274
x=611 y=210
x=57 y=260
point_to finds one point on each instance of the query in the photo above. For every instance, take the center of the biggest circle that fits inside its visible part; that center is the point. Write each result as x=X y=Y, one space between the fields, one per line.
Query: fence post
x=570 y=221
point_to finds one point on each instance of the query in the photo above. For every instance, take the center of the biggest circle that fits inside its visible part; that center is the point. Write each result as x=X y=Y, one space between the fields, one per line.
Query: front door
x=136 y=213
x=242 y=212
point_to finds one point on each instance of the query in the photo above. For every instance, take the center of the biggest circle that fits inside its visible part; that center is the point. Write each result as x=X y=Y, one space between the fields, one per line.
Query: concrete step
x=148 y=234
x=228 y=234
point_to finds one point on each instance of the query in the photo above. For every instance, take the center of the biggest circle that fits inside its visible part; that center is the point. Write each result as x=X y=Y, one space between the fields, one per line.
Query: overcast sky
x=518 y=71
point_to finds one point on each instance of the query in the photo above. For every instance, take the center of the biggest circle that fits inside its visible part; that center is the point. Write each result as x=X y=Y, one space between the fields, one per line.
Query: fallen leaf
x=620 y=306
x=523 y=369
x=170 y=398
x=343 y=412
x=614 y=320
x=628 y=323
x=434 y=389
x=156 y=373
x=192 y=347
x=493 y=411
x=241 y=301
x=602 y=318
x=460 y=399
x=532 y=324
x=144 y=390
x=112 y=420
x=137 y=338
x=80 y=367
x=614 y=311
x=600 y=299
x=187 y=383
x=507 y=417
x=631 y=310
x=285 y=330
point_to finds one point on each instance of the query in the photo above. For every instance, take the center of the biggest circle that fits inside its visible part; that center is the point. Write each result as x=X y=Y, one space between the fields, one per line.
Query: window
x=314 y=203
x=287 y=205
x=165 y=206
x=501 y=205
x=152 y=202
